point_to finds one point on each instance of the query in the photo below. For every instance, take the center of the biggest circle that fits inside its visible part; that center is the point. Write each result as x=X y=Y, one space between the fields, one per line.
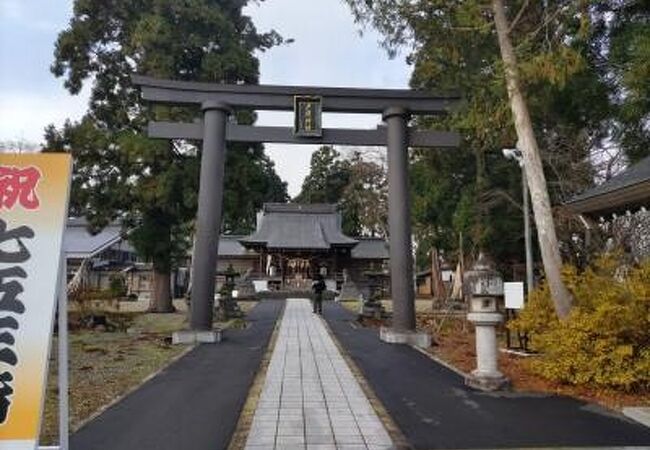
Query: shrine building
x=292 y=242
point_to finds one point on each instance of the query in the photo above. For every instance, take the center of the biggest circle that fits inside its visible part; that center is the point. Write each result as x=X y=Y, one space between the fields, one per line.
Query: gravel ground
x=421 y=305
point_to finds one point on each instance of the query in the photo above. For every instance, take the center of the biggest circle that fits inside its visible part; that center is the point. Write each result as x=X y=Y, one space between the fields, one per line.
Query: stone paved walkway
x=310 y=398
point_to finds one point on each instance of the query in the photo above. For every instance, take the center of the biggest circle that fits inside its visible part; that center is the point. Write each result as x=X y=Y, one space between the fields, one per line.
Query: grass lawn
x=105 y=365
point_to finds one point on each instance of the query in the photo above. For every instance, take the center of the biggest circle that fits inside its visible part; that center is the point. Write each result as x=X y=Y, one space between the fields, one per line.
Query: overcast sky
x=328 y=51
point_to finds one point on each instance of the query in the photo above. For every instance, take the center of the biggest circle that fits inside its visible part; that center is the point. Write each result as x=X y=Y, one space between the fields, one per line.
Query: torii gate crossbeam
x=217 y=102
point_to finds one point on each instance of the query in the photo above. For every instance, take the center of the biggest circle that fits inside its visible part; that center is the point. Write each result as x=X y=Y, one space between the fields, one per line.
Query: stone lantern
x=485 y=287
x=371 y=307
x=227 y=306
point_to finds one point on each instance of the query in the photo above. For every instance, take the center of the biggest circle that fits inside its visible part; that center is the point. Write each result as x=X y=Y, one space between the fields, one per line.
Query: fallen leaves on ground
x=456 y=345
x=454 y=342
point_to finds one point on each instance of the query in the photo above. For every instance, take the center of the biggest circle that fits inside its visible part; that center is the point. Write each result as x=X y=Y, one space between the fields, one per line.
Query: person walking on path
x=318 y=286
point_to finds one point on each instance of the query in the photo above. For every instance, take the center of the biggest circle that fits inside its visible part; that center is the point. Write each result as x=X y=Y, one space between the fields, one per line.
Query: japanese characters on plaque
x=307 y=116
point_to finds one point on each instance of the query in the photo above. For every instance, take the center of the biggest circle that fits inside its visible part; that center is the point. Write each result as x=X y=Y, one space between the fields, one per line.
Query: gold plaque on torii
x=308 y=111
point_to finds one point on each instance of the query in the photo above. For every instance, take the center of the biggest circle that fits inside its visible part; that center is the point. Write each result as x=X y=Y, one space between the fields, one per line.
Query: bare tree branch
x=513 y=24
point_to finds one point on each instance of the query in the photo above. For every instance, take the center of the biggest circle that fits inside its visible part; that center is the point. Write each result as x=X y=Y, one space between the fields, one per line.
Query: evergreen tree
x=358 y=186
x=151 y=185
x=364 y=201
x=328 y=176
x=583 y=95
x=621 y=43
x=535 y=178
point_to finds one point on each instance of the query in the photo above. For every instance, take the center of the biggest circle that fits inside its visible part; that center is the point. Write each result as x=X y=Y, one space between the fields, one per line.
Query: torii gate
x=217 y=101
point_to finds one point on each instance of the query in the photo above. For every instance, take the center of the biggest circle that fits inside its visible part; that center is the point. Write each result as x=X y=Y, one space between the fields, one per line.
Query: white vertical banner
x=34 y=192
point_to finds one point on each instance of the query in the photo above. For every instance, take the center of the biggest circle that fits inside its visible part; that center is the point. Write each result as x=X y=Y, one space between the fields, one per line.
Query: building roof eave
x=630 y=189
x=626 y=198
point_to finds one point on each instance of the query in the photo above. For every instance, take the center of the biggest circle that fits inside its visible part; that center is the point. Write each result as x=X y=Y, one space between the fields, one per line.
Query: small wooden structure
x=106 y=254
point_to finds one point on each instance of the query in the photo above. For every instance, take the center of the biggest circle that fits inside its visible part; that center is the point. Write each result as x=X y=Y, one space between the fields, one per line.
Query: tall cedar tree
x=535 y=178
x=582 y=66
x=119 y=173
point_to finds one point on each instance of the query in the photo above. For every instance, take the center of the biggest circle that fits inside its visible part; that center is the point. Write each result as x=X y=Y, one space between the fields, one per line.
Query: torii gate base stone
x=216 y=101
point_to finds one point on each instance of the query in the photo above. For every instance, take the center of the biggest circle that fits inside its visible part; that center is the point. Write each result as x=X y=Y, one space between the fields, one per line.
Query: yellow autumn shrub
x=605 y=341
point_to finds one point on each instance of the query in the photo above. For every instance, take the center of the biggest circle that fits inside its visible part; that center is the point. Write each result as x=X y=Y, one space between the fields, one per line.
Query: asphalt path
x=435 y=410
x=194 y=404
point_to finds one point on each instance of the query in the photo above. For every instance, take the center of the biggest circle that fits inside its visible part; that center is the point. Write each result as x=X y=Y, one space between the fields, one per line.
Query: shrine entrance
x=299 y=273
x=217 y=102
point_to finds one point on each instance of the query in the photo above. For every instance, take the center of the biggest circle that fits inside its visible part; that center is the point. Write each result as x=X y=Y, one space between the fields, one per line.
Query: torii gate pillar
x=399 y=221
x=399 y=230
x=208 y=224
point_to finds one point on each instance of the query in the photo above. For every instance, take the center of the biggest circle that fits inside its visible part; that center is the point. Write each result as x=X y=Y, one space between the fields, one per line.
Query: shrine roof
x=295 y=226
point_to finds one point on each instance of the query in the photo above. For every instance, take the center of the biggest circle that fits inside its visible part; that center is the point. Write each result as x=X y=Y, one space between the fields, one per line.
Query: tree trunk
x=437 y=287
x=161 y=298
x=190 y=275
x=534 y=170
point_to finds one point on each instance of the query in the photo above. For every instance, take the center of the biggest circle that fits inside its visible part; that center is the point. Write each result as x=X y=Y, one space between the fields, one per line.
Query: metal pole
x=530 y=282
x=399 y=220
x=64 y=423
x=208 y=222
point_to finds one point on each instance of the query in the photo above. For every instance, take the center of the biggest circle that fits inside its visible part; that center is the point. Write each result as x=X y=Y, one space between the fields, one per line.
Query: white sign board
x=514 y=293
